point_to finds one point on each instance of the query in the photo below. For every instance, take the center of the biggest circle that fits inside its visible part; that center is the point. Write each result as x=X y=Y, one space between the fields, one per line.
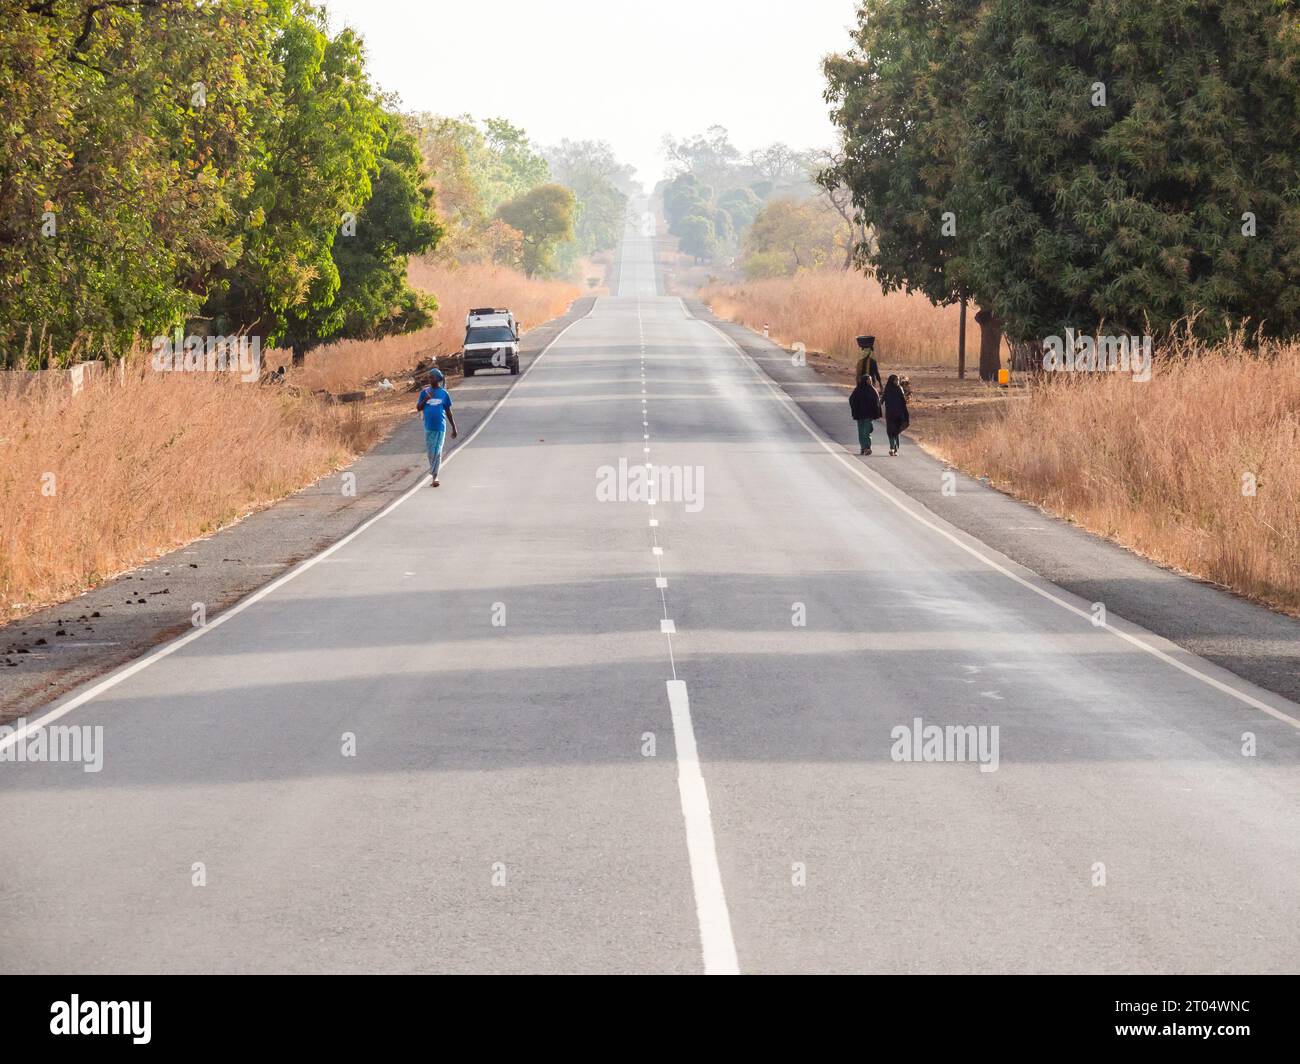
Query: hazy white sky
x=611 y=70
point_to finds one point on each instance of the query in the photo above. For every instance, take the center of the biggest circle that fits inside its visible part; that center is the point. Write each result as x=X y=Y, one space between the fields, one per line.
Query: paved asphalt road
x=506 y=653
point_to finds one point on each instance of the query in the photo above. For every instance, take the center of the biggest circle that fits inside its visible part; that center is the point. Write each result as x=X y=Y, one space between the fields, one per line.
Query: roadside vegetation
x=717 y=193
x=1120 y=169
x=1196 y=469
x=827 y=309
x=133 y=467
x=1024 y=158
x=277 y=194
x=192 y=170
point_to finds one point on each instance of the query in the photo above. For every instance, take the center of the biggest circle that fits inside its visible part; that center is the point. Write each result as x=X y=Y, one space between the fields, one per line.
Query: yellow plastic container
x=1004 y=376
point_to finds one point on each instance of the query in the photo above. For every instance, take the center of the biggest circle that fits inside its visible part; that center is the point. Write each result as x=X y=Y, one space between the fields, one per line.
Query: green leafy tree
x=166 y=157
x=323 y=142
x=374 y=298
x=514 y=166
x=445 y=145
x=698 y=238
x=129 y=141
x=1077 y=164
x=685 y=196
x=475 y=168
x=898 y=100
x=498 y=157
x=742 y=205
x=1135 y=164
x=544 y=215
x=709 y=157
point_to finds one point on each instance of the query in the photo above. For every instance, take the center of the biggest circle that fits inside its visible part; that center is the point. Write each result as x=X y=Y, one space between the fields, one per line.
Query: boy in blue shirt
x=435 y=403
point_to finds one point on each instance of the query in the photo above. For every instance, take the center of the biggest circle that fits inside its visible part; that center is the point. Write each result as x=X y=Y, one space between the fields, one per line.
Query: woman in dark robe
x=864 y=405
x=896 y=419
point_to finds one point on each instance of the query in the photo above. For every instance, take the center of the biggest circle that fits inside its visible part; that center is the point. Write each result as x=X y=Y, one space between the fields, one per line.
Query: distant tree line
x=765 y=210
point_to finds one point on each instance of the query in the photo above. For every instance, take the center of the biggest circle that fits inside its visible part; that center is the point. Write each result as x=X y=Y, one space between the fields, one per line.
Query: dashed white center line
x=710 y=899
x=716 y=941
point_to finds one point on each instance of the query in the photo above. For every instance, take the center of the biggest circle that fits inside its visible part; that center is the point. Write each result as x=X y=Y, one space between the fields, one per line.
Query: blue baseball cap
x=435 y=374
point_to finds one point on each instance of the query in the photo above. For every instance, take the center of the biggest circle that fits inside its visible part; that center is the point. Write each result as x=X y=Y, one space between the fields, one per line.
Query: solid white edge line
x=839 y=456
x=716 y=942
x=113 y=679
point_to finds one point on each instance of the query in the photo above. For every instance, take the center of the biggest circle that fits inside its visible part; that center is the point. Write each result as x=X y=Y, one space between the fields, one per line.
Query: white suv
x=491 y=341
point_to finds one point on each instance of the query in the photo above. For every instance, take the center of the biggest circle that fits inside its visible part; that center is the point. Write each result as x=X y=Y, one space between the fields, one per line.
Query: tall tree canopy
x=130 y=143
x=324 y=138
x=166 y=158
x=1075 y=163
x=397 y=221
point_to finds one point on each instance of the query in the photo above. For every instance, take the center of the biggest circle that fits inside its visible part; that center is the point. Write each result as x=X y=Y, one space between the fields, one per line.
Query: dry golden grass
x=346 y=366
x=144 y=464
x=458 y=288
x=1160 y=467
x=826 y=309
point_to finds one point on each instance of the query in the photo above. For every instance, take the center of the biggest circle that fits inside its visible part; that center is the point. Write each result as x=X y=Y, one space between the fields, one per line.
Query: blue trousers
x=433 y=444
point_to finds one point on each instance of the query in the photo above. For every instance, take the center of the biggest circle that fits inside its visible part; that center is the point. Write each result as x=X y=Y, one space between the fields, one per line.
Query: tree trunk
x=990 y=344
x=961 y=343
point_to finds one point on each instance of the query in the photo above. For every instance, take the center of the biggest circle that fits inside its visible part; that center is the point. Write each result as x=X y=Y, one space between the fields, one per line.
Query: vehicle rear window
x=490 y=334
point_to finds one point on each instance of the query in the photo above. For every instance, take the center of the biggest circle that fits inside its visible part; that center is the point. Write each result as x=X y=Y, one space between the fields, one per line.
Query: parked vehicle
x=491 y=341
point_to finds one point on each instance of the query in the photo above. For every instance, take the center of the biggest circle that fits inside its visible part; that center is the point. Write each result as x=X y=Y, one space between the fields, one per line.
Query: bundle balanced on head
x=867 y=366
